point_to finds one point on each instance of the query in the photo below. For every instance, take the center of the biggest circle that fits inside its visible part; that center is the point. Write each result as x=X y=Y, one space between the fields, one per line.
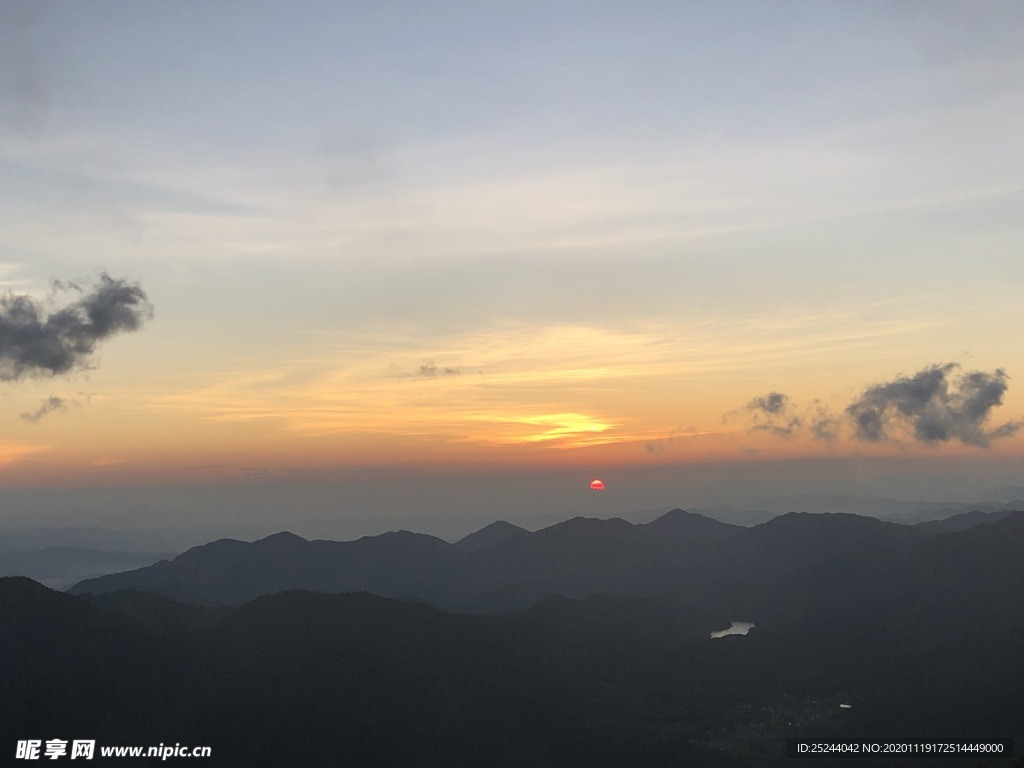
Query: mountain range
x=275 y=653
x=62 y=566
x=792 y=563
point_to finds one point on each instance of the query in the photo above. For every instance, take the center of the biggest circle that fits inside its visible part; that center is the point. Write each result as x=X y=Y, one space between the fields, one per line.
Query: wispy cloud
x=575 y=429
x=430 y=370
x=13 y=452
x=550 y=386
x=824 y=425
x=773 y=413
x=772 y=404
x=49 y=405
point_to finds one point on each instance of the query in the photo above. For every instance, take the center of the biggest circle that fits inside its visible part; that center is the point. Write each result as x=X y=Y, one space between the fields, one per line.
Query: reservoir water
x=737 y=628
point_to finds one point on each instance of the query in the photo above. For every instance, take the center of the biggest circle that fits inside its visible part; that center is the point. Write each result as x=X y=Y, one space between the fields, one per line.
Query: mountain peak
x=488 y=535
x=580 y=524
x=282 y=537
x=21 y=585
x=680 y=517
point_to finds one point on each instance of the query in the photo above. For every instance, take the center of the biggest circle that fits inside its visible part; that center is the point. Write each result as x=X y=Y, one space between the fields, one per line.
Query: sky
x=291 y=265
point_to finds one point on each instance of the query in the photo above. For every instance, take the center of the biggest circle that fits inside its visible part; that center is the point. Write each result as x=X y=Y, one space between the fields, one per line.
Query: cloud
x=773 y=404
x=430 y=371
x=934 y=406
x=36 y=343
x=785 y=429
x=773 y=413
x=826 y=429
x=50 y=404
x=823 y=424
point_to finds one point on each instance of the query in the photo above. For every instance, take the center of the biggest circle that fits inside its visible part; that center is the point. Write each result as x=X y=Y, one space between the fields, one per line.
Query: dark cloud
x=934 y=406
x=430 y=371
x=1008 y=429
x=60 y=286
x=772 y=413
x=50 y=404
x=34 y=342
x=772 y=404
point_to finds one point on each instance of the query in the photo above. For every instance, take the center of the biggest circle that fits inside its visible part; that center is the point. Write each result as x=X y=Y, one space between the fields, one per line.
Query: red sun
x=597 y=485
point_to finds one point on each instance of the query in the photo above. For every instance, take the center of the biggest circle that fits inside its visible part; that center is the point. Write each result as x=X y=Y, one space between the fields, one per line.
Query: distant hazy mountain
x=793 y=563
x=1005 y=493
x=683 y=528
x=576 y=558
x=584 y=556
x=394 y=564
x=746 y=517
x=939 y=512
x=488 y=535
x=60 y=567
x=22 y=539
x=963 y=521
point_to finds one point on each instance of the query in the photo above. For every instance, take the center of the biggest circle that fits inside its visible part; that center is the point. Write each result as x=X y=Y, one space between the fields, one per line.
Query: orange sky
x=416 y=242
x=565 y=395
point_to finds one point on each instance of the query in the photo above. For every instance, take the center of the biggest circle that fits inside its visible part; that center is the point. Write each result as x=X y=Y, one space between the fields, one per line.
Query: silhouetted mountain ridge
x=791 y=565
x=297 y=678
x=60 y=566
x=962 y=522
x=489 y=534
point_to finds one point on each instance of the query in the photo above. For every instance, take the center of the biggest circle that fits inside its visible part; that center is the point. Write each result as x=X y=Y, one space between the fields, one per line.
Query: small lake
x=737 y=628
